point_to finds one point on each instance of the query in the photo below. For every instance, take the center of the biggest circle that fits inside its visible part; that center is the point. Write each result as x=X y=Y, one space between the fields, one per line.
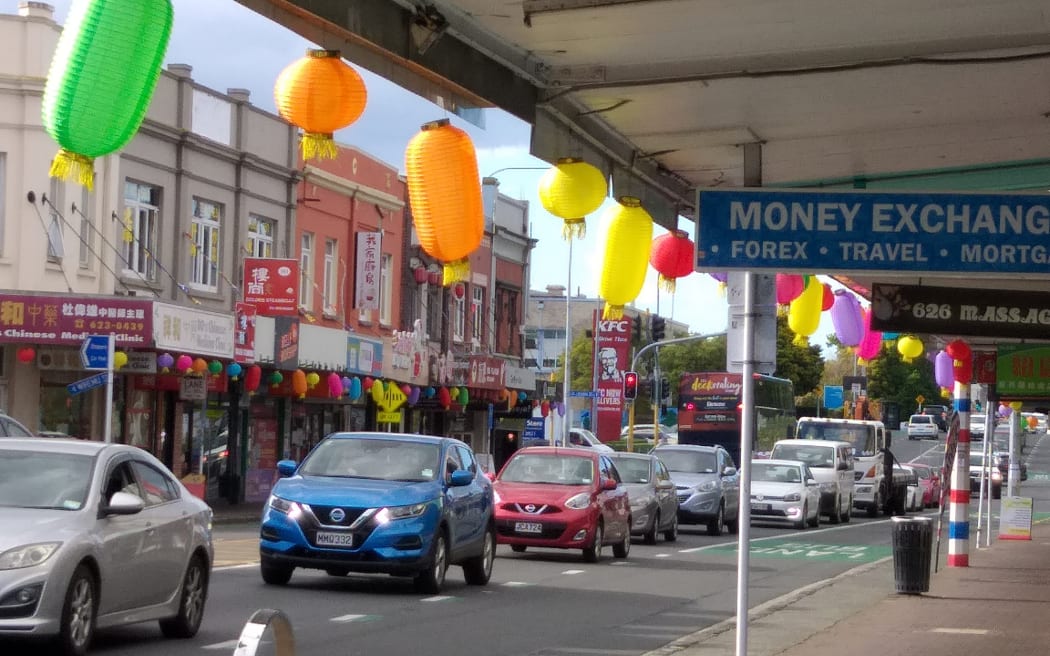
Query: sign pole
x=109 y=389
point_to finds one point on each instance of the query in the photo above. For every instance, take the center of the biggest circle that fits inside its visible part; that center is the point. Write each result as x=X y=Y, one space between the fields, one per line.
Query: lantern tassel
x=667 y=283
x=800 y=340
x=455 y=271
x=73 y=166
x=574 y=228
x=612 y=312
x=319 y=145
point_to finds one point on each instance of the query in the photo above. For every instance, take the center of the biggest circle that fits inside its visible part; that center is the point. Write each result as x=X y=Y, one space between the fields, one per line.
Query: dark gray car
x=650 y=490
x=707 y=484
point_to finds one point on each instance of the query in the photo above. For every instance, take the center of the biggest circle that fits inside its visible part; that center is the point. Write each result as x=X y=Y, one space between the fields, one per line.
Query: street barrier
x=252 y=633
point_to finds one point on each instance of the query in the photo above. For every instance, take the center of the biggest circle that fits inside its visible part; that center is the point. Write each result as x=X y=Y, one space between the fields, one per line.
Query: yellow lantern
x=312 y=379
x=441 y=169
x=120 y=358
x=909 y=347
x=626 y=255
x=804 y=311
x=378 y=391
x=320 y=93
x=570 y=190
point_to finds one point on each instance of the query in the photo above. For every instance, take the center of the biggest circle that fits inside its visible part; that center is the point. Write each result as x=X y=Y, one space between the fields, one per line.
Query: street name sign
x=803 y=231
x=89 y=383
x=585 y=394
x=94 y=352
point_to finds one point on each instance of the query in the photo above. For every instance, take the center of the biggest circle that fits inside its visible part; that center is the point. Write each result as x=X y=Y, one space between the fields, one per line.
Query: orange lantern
x=570 y=190
x=672 y=257
x=320 y=93
x=200 y=365
x=299 y=383
x=626 y=255
x=441 y=169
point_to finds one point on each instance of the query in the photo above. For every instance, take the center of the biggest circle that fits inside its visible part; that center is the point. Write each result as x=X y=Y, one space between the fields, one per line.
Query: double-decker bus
x=710 y=405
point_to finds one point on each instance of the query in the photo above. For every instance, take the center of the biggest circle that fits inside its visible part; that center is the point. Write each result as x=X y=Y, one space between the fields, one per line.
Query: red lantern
x=299 y=383
x=420 y=275
x=434 y=277
x=253 y=378
x=545 y=408
x=445 y=398
x=26 y=354
x=672 y=257
x=441 y=169
x=828 y=300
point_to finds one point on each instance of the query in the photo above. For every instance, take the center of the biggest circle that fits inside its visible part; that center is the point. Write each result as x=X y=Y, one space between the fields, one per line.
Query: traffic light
x=630 y=385
x=665 y=389
x=636 y=330
x=658 y=328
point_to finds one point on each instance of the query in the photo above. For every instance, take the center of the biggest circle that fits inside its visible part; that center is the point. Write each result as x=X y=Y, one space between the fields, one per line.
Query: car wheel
x=77 y=626
x=815 y=522
x=717 y=525
x=275 y=574
x=593 y=553
x=997 y=492
x=622 y=549
x=835 y=516
x=900 y=504
x=876 y=505
x=671 y=534
x=432 y=578
x=191 y=606
x=518 y=548
x=650 y=535
x=478 y=570
x=848 y=514
x=803 y=518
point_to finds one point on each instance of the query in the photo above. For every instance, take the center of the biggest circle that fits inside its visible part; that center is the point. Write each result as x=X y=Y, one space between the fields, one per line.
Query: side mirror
x=461 y=477
x=810 y=482
x=609 y=484
x=844 y=466
x=286 y=467
x=729 y=471
x=665 y=485
x=122 y=503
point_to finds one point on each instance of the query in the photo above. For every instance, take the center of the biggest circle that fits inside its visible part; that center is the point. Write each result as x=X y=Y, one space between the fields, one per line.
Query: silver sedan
x=97 y=535
x=784 y=491
x=651 y=493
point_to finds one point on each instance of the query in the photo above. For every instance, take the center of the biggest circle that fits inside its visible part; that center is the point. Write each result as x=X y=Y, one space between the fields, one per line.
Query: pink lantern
x=789 y=287
x=943 y=370
x=335 y=385
x=406 y=389
x=847 y=318
x=871 y=342
x=420 y=275
x=434 y=278
x=184 y=364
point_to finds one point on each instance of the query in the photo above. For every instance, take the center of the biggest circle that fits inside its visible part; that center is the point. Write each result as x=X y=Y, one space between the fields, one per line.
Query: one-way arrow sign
x=89 y=383
x=94 y=352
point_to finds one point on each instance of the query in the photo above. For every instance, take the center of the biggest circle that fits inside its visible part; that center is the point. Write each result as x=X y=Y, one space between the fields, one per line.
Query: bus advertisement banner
x=708 y=401
x=612 y=339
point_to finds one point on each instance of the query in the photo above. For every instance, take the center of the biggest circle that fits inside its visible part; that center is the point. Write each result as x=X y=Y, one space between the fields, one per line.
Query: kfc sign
x=272 y=285
x=622 y=327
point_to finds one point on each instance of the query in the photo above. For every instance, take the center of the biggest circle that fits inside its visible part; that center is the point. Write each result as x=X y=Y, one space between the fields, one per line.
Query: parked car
x=647 y=433
x=582 y=437
x=654 y=505
x=832 y=464
x=11 y=427
x=977 y=427
x=707 y=484
x=939 y=414
x=913 y=493
x=784 y=491
x=1002 y=461
x=97 y=535
x=392 y=503
x=922 y=427
x=991 y=474
x=562 y=498
x=929 y=483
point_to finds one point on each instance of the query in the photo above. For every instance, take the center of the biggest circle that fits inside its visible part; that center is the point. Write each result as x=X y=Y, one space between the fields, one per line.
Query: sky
x=230 y=46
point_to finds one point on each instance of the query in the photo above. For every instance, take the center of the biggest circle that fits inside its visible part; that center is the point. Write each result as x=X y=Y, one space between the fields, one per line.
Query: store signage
x=272 y=285
x=70 y=319
x=849 y=231
x=613 y=341
x=286 y=342
x=364 y=356
x=408 y=349
x=366 y=278
x=244 y=332
x=193 y=331
x=1022 y=371
x=487 y=372
x=193 y=388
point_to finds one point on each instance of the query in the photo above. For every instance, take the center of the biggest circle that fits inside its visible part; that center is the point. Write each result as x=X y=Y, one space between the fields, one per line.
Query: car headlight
x=392 y=513
x=793 y=496
x=284 y=505
x=642 y=501
x=28 y=555
x=579 y=502
x=707 y=486
x=496 y=498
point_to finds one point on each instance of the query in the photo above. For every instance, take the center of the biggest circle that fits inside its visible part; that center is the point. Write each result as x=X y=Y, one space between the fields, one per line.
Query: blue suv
x=406 y=505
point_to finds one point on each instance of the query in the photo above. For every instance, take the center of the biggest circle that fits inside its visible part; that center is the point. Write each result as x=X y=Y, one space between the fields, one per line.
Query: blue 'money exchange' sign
x=832 y=231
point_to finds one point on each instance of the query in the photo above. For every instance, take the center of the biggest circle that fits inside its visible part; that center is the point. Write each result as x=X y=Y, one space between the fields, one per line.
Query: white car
x=922 y=427
x=784 y=491
x=584 y=438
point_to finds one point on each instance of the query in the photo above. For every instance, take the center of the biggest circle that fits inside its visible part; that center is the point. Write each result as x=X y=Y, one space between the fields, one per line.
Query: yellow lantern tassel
x=455 y=271
x=319 y=145
x=574 y=228
x=73 y=166
x=612 y=312
x=800 y=340
x=667 y=283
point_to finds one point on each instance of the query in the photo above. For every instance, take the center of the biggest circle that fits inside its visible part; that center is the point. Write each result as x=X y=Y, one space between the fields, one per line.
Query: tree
x=892 y=379
x=803 y=365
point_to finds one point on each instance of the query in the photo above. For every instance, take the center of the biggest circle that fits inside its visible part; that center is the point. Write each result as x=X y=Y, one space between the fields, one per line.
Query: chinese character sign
x=272 y=285
x=286 y=342
x=366 y=288
x=613 y=342
x=244 y=333
x=70 y=319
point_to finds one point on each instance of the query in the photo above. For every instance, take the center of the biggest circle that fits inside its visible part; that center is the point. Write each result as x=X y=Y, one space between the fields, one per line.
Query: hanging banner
x=244 y=333
x=366 y=279
x=286 y=342
x=612 y=339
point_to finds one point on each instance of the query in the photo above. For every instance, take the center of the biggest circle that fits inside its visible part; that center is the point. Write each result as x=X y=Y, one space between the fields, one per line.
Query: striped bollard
x=959 y=502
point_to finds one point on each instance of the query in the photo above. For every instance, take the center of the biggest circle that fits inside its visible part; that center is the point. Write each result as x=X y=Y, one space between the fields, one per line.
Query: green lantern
x=102 y=79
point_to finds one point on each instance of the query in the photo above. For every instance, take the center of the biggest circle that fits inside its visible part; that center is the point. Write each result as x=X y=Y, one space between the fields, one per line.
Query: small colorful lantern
x=464 y=396
x=215 y=367
x=828 y=299
x=910 y=347
x=233 y=370
x=335 y=385
x=276 y=378
x=871 y=343
x=120 y=358
x=320 y=93
x=570 y=190
x=789 y=287
x=378 y=391
x=253 y=378
x=444 y=189
x=184 y=364
x=26 y=354
x=413 y=395
x=673 y=257
x=312 y=379
x=200 y=365
x=434 y=277
x=627 y=249
x=962 y=360
x=943 y=370
x=102 y=77
x=444 y=398
x=419 y=274
x=847 y=318
x=355 y=389
x=804 y=311
x=165 y=362
x=299 y=383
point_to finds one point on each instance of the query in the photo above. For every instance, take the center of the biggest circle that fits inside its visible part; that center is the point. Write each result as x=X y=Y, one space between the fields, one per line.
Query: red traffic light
x=630 y=385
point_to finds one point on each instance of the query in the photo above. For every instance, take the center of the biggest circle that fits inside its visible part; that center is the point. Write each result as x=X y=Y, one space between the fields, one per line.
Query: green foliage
x=892 y=379
x=801 y=364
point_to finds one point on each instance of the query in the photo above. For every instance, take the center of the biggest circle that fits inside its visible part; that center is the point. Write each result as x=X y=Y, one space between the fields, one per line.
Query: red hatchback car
x=562 y=498
x=929 y=483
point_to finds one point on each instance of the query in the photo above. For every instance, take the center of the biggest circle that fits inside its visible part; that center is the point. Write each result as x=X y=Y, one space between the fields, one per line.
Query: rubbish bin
x=912 y=553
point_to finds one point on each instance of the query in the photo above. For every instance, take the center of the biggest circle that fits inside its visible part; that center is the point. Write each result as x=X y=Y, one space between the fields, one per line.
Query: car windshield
x=38 y=479
x=548 y=468
x=813 y=455
x=691 y=462
x=861 y=436
x=384 y=459
x=976 y=459
x=776 y=473
x=633 y=470
x=923 y=472
x=921 y=419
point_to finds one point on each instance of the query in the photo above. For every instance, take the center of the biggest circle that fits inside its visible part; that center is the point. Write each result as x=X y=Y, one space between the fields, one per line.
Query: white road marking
x=347 y=618
x=574 y=571
x=437 y=598
x=229 y=644
x=662 y=555
x=584 y=650
x=516 y=584
x=961 y=631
